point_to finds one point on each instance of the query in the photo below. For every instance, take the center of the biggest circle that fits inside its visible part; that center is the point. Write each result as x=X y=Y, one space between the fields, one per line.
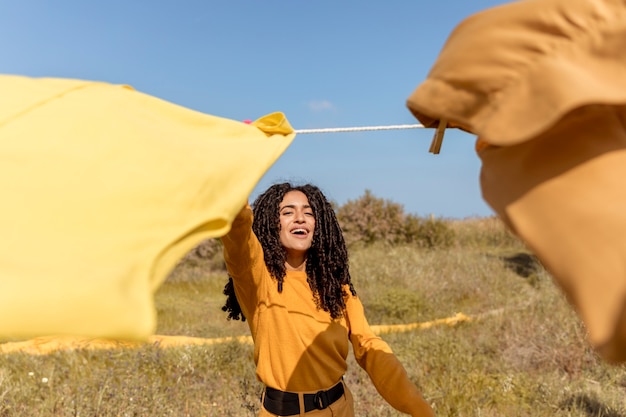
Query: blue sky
x=322 y=63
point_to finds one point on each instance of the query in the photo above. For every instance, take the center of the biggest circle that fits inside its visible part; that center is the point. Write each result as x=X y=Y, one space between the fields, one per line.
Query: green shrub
x=370 y=219
x=208 y=254
x=429 y=233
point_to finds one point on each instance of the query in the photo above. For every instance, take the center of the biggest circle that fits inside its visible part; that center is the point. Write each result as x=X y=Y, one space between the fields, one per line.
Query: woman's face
x=297 y=223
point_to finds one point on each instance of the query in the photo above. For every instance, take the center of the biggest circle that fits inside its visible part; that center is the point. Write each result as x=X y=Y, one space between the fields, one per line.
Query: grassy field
x=523 y=353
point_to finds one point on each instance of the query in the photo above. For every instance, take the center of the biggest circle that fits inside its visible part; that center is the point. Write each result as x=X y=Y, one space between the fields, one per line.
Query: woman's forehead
x=295 y=198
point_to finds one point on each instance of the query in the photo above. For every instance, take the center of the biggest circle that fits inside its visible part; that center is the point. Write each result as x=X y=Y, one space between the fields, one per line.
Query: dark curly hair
x=327 y=259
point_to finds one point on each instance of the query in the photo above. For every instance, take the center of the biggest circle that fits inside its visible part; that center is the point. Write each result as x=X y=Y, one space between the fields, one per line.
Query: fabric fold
x=510 y=72
x=105 y=189
x=542 y=83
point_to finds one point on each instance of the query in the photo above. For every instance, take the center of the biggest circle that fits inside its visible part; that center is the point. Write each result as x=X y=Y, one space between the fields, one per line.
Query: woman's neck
x=296 y=264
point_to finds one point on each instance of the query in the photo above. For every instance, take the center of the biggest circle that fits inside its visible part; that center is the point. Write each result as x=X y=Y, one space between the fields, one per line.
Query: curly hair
x=327 y=260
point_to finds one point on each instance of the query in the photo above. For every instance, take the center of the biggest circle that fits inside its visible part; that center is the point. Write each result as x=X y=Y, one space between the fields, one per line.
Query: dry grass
x=523 y=354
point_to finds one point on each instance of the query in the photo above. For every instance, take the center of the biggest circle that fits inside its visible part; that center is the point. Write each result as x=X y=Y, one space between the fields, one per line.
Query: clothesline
x=435 y=146
x=358 y=129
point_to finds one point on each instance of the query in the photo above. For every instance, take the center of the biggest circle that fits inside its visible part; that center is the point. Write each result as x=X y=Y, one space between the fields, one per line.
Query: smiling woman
x=289 y=277
x=297 y=224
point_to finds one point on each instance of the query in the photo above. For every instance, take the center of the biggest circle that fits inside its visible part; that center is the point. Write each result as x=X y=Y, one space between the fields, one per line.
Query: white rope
x=357 y=129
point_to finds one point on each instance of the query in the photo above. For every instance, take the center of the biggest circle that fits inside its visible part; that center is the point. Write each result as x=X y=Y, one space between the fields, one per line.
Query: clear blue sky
x=323 y=63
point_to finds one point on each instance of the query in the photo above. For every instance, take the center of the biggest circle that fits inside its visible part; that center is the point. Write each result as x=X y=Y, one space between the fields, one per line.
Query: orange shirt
x=298 y=347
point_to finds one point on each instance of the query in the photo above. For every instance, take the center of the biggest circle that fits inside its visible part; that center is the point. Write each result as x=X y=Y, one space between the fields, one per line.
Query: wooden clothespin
x=435 y=145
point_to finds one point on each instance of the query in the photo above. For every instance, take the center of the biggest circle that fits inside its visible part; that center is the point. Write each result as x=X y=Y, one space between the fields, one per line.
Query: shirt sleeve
x=243 y=255
x=388 y=375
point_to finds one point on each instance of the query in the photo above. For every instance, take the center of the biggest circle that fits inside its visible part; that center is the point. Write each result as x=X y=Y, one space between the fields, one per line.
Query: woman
x=289 y=278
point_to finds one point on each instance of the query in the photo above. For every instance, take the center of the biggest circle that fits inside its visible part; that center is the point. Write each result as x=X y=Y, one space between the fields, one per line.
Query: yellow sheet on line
x=104 y=189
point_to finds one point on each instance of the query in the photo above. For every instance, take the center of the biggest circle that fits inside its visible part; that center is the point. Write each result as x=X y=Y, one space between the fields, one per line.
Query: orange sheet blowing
x=542 y=83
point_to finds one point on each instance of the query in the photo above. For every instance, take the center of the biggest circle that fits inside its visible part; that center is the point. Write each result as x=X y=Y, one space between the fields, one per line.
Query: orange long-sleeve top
x=298 y=347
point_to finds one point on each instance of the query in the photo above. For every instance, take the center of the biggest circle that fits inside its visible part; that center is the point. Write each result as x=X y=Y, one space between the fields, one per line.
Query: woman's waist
x=303 y=374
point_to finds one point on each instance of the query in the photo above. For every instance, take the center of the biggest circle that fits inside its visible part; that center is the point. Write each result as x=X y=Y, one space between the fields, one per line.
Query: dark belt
x=284 y=403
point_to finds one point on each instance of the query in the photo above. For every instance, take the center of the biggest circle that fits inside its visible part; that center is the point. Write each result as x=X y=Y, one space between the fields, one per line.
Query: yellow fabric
x=104 y=190
x=44 y=345
x=298 y=347
x=47 y=344
x=543 y=85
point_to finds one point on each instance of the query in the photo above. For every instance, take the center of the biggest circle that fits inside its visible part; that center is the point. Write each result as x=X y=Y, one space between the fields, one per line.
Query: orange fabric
x=299 y=348
x=510 y=72
x=563 y=194
x=543 y=85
